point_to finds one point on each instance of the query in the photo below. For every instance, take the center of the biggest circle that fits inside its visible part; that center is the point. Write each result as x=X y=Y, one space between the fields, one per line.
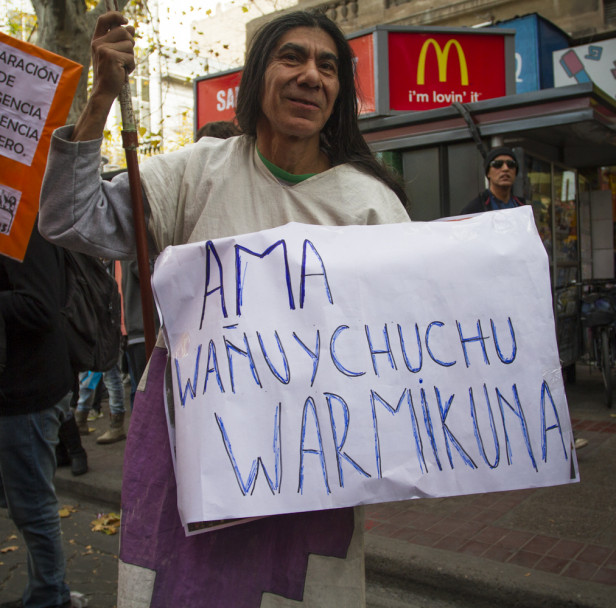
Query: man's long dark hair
x=341 y=138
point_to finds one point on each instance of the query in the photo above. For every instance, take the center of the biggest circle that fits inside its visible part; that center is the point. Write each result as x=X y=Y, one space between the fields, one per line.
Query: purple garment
x=229 y=567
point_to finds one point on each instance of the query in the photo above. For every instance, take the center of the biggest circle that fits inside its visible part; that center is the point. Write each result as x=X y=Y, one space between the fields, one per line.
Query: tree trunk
x=65 y=27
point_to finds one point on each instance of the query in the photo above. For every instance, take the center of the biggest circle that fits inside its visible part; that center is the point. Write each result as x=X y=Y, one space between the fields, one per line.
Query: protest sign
x=36 y=92
x=317 y=367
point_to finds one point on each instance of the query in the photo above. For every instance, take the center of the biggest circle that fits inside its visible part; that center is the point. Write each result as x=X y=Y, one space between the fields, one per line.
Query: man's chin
x=302 y=129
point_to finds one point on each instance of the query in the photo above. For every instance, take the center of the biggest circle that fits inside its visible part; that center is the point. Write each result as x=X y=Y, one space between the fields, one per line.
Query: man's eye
x=328 y=66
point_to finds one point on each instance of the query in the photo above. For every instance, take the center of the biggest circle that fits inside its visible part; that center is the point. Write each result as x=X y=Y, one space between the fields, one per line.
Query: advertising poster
x=433 y=70
x=36 y=92
x=587 y=63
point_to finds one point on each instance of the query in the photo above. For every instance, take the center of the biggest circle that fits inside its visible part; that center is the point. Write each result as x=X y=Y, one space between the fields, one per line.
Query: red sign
x=432 y=70
x=217 y=97
x=363 y=47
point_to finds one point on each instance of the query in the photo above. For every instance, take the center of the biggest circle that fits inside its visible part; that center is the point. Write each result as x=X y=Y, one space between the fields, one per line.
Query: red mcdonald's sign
x=427 y=68
x=431 y=70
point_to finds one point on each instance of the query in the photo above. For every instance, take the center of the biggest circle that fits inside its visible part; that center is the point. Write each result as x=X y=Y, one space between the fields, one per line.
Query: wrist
x=91 y=123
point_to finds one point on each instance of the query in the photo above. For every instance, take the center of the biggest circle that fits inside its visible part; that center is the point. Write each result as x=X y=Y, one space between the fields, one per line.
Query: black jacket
x=482 y=203
x=38 y=372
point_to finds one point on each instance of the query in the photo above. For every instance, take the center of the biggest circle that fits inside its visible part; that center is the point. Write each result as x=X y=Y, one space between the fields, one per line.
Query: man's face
x=300 y=84
x=503 y=176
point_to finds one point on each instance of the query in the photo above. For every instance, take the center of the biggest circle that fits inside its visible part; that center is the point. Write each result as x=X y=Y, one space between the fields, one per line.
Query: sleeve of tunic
x=81 y=211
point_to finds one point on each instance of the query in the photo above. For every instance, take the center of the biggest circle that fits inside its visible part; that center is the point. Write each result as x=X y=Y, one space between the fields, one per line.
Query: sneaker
x=78 y=600
x=580 y=442
x=95 y=415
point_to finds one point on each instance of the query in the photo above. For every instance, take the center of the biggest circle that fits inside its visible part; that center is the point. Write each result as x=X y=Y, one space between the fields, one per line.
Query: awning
x=579 y=121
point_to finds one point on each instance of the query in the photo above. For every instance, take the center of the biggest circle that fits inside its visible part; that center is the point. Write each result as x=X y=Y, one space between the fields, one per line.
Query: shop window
x=553 y=194
x=609 y=11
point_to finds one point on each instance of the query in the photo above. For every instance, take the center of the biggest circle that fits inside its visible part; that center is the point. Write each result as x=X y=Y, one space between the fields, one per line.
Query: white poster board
x=317 y=367
x=587 y=63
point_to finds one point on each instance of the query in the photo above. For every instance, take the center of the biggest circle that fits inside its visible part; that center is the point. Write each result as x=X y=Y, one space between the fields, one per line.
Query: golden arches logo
x=441 y=57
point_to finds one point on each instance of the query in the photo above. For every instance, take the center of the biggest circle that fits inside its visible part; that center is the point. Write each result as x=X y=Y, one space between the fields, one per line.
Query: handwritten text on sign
x=23 y=114
x=317 y=367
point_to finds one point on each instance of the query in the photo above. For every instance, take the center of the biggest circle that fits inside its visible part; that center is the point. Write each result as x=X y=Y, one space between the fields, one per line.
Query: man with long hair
x=300 y=158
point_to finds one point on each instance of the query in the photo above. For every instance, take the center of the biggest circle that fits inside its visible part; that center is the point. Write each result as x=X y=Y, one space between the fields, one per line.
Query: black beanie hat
x=502 y=151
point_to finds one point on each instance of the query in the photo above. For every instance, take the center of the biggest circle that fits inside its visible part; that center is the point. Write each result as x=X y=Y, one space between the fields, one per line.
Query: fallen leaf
x=9 y=549
x=107 y=523
x=13 y=537
x=66 y=511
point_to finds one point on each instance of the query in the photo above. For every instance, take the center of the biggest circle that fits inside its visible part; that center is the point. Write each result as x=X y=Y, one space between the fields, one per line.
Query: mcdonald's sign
x=433 y=69
x=442 y=55
x=400 y=68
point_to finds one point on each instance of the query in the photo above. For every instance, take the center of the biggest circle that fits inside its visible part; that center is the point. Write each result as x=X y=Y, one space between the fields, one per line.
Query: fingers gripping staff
x=112 y=53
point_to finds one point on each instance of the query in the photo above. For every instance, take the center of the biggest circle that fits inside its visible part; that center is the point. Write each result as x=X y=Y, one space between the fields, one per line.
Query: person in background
x=112 y=379
x=35 y=393
x=218 y=128
x=300 y=158
x=89 y=383
x=70 y=451
x=501 y=169
x=133 y=320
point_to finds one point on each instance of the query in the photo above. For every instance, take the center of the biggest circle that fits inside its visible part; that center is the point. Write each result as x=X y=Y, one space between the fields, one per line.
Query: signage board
x=587 y=63
x=36 y=92
x=399 y=69
x=536 y=39
x=433 y=69
x=311 y=372
x=363 y=48
x=216 y=97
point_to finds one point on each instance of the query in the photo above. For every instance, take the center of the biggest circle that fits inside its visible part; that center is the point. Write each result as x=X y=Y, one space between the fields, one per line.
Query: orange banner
x=36 y=92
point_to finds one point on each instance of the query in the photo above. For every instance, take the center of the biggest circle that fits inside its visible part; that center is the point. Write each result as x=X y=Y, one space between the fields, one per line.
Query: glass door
x=552 y=192
x=565 y=267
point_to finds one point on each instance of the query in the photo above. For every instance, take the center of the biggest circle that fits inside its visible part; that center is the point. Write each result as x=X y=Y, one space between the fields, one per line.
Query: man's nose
x=309 y=74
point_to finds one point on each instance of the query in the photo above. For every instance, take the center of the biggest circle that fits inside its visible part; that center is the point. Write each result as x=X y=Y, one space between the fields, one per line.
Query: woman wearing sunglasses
x=501 y=168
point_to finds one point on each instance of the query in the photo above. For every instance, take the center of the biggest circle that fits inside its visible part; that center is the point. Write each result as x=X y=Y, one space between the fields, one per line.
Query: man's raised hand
x=113 y=60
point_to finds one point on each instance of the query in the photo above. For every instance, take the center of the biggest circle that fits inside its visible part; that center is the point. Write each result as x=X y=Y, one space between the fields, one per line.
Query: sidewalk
x=540 y=547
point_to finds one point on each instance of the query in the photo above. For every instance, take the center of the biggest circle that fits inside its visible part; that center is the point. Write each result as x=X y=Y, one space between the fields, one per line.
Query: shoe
x=94 y=415
x=116 y=430
x=62 y=459
x=580 y=443
x=78 y=600
x=81 y=418
x=79 y=463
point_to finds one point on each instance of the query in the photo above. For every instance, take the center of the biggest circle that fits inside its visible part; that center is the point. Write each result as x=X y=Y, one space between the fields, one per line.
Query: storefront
x=563 y=136
x=431 y=97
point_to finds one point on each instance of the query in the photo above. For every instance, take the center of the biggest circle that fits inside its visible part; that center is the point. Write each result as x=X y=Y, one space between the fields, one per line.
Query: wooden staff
x=130 y=144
